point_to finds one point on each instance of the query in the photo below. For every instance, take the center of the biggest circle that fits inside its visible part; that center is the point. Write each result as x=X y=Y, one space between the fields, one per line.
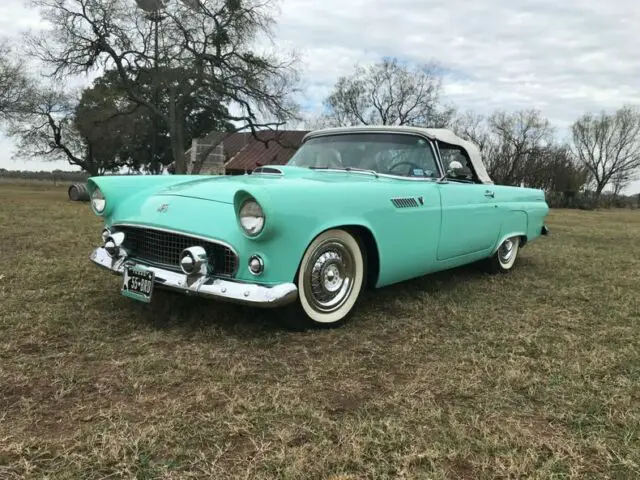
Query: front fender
x=117 y=188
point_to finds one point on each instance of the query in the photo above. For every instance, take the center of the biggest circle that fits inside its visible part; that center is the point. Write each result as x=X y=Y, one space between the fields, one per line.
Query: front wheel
x=505 y=257
x=330 y=280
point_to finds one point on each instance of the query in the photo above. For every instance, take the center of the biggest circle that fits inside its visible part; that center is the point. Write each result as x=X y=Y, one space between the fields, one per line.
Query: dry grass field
x=459 y=375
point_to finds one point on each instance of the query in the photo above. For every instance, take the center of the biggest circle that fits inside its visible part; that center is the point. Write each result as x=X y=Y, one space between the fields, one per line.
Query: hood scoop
x=267 y=171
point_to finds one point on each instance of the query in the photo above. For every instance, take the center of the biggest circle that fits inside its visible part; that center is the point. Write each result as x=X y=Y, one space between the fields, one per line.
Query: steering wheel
x=405 y=162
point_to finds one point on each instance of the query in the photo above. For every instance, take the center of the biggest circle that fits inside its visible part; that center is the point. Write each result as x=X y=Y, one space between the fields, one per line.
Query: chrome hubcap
x=506 y=251
x=328 y=278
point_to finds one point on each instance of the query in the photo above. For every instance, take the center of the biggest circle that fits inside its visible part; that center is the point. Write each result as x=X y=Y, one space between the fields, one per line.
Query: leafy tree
x=608 y=145
x=117 y=127
x=388 y=93
x=103 y=131
x=198 y=48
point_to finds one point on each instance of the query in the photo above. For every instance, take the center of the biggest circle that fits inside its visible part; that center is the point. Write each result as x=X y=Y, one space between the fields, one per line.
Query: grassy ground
x=457 y=375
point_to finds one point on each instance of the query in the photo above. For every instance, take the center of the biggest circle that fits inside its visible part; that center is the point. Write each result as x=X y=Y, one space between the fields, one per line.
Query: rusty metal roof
x=245 y=152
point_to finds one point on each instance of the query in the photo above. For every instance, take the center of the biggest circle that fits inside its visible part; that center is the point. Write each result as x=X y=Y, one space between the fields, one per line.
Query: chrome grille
x=162 y=248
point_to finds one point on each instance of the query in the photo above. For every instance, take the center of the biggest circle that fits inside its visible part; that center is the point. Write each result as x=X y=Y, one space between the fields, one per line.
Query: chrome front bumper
x=202 y=286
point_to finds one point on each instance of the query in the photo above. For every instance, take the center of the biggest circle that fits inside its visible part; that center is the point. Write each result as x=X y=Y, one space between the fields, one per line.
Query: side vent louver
x=404 y=202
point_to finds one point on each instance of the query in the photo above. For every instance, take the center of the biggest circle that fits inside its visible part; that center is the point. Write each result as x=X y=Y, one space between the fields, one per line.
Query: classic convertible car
x=355 y=207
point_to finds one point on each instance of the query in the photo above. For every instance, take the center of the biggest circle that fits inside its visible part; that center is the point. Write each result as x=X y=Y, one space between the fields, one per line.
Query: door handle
x=489 y=194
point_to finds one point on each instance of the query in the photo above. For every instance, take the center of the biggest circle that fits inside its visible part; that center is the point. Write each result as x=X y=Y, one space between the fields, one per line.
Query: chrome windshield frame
x=434 y=150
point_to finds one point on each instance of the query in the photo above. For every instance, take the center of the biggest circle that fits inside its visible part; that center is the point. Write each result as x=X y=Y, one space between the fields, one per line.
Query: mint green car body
x=410 y=227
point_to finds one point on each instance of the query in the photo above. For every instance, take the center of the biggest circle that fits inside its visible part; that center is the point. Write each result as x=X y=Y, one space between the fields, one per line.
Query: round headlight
x=98 y=202
x=251 y=217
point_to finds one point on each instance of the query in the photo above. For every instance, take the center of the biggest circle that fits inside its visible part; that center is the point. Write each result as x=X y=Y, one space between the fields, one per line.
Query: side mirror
x=455 y=168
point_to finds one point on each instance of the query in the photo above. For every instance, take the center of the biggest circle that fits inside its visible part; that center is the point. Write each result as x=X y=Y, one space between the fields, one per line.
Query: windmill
x=153 y=8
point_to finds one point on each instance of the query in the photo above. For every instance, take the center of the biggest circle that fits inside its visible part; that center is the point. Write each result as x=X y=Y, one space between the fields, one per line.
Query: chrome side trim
x=203 y=286
x=378 y=175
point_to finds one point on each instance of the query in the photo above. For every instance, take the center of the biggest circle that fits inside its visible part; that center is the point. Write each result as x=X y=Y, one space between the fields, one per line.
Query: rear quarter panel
x=522 y=212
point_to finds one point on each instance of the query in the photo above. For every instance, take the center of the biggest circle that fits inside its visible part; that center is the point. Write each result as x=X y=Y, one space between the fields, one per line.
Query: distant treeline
x=52 y=176
x=585 y=200
x=588 y=200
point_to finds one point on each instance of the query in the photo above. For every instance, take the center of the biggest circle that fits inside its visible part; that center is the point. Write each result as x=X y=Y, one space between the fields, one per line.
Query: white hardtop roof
x=443 y=135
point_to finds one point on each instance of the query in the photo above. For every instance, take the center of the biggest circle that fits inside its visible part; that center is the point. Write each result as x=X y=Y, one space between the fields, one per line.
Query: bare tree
x=509 y=142
x=388 y=93
x=519 y=135
x=474 y=128
x=609 y=146
x=14 y=83
x=46 y=128
x=553 y=167
x=620 y=181
x=197 y=48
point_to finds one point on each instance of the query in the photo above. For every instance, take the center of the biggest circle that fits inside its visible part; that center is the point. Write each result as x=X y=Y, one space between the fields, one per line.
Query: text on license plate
x=138 y=283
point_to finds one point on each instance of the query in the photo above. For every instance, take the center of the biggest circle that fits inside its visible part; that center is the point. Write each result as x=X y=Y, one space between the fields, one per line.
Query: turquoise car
x=355 y=207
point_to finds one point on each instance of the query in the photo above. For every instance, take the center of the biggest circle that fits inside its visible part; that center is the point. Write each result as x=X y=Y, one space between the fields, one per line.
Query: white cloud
x=562 y=57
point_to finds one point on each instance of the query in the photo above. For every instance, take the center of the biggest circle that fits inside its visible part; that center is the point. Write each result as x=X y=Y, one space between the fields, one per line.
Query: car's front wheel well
x=372 y=256
x=371 y=248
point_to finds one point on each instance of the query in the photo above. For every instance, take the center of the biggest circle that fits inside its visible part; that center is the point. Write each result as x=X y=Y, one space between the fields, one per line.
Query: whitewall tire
x=330 y=280
x=505 y=257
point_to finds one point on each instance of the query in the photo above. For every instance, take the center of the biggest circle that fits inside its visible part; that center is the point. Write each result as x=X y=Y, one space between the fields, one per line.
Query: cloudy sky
x=561 y=57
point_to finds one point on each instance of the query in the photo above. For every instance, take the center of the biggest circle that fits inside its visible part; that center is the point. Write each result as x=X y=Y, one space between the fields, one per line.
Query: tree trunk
x=177 y=134
x=177 y=147
x=178 y=153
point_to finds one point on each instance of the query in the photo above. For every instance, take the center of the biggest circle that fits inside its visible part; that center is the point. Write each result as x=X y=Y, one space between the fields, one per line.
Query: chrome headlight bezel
x=251 y=217
x=98 y=202
x=106 y=233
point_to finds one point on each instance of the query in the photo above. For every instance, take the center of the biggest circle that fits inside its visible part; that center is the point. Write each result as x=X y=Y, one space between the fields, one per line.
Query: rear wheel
x=330 y=280
x=505 y=257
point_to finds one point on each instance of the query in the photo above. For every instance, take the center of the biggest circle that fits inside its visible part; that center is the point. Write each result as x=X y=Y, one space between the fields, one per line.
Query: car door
x=470 y=214
x=470 y=221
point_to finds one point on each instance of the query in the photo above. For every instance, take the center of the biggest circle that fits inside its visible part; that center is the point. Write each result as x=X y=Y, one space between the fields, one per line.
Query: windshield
x=386 y=153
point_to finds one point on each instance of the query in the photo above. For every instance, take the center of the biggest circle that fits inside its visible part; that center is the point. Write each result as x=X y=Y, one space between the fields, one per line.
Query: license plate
x=138 y=283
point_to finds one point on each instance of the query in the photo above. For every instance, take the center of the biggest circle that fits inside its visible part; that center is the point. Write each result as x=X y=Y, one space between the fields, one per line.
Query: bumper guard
x=226 y=290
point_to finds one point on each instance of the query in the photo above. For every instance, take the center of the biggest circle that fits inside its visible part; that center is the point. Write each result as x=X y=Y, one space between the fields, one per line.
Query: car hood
x=222 y=188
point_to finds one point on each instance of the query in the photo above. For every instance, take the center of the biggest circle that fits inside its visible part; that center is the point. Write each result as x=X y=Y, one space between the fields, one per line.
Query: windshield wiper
x=365 y=170
x=347 y=169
